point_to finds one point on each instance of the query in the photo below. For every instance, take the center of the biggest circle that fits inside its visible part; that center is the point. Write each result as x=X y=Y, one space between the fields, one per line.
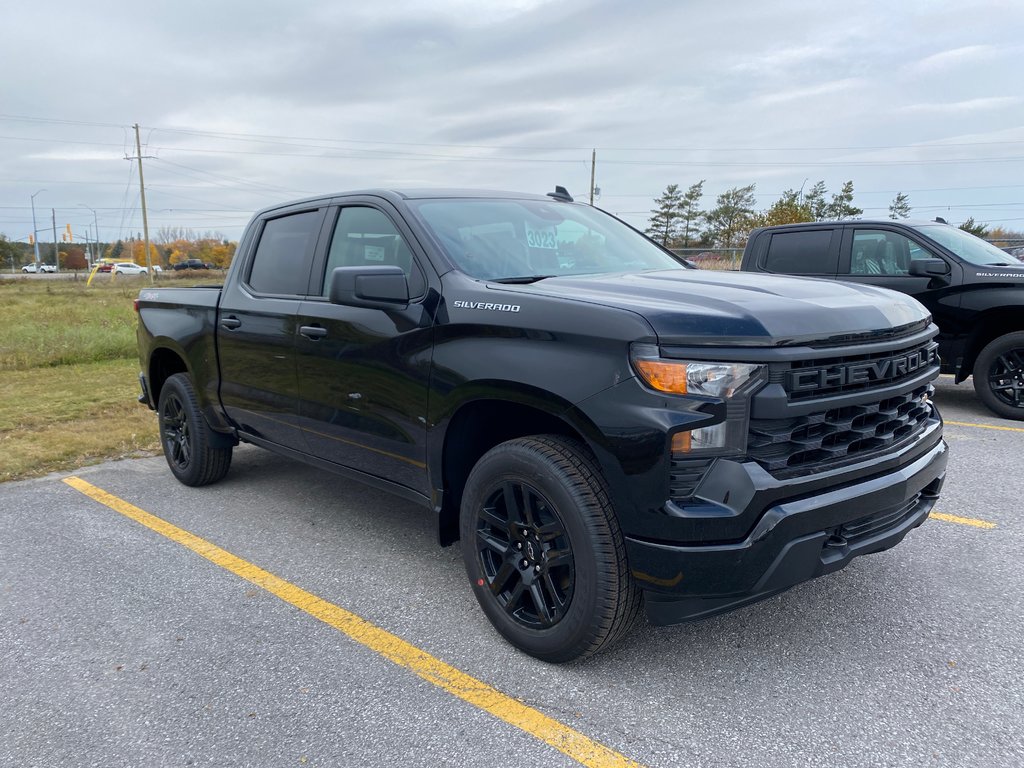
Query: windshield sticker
x=541 y=238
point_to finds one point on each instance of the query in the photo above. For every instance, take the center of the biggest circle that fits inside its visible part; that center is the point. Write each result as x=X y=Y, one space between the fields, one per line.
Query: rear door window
x=284 y=255
x=808 y=252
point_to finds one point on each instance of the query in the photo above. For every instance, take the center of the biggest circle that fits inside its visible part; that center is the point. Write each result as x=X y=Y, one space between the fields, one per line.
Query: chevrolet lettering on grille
x=865 y=372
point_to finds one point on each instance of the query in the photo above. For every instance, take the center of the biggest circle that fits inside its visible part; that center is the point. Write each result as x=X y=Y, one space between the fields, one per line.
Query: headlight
x=733 y=383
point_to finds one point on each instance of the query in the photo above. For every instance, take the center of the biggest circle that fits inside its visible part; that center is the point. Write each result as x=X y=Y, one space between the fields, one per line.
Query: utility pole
x=56 y=251
x=593 y=167
x=142 y=194
x=35 y=229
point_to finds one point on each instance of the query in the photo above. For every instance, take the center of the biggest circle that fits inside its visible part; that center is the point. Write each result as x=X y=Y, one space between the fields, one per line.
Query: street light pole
x=35 y=230
x=96 y=253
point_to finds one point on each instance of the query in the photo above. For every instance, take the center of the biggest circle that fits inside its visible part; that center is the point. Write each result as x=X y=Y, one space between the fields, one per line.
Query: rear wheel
x=187 y=440
x=999 y=376
x=543 y=549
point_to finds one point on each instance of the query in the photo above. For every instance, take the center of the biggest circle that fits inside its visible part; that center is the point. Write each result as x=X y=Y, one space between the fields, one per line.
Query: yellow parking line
x=984 y=426
x=963 y=520
x=580 y=748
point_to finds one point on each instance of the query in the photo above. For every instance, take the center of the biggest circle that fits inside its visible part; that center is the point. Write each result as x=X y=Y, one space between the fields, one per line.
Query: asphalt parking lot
x=125 y=645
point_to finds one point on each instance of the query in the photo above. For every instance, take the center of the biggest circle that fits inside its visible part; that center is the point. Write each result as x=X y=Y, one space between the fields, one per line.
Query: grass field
x=69 y=375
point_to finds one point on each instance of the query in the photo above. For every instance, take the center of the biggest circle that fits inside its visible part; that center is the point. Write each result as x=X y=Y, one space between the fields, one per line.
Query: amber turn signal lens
x=666 y=377
x=681 y=442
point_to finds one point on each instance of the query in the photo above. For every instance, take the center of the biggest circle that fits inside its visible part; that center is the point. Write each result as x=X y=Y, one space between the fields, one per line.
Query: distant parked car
x=47 y=268
x=29 y=269
x=191 y=264
x=129 y=268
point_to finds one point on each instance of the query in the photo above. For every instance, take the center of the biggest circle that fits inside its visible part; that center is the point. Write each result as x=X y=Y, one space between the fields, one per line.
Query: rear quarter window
x=801 y=253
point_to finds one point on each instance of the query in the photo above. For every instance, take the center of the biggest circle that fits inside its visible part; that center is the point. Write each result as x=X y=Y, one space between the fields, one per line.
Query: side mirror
x=929 y=268
x=384 y=287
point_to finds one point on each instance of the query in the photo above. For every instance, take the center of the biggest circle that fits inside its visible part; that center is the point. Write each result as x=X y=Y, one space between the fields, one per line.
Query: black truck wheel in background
x=543 y=549
x=185 y=436
x=999 y=375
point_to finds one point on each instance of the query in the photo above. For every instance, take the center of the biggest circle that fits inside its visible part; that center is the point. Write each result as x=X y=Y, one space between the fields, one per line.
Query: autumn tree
x=664 y=222
x=73 y=257
x=899 y=208
x=728 y=223
x=1005 y=238
x=788 y=209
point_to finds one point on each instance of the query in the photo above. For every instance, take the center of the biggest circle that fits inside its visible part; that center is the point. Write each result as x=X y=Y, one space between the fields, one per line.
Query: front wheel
x=187 y=440
x=999 y=376
x=543 y=549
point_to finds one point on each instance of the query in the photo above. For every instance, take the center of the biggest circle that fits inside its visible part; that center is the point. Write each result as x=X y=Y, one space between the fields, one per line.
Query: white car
x=128 y=268
x=29 y=268
x=47 y=268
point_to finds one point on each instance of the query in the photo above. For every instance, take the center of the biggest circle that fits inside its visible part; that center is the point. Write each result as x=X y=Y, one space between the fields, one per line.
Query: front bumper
x=794 y=540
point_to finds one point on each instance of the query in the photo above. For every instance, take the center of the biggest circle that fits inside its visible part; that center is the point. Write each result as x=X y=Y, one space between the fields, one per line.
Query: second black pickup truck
x=602 y=427
x=974 y=291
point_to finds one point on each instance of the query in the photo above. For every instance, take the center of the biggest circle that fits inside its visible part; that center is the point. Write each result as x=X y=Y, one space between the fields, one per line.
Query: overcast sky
x=245 y=104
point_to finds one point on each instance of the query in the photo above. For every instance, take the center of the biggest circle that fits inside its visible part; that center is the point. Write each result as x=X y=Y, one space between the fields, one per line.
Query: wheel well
x=163 y=364
x=475 y=429
x=989 y=326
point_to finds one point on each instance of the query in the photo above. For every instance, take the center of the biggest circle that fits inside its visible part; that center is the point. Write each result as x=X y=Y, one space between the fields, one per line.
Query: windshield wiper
x=522 y=280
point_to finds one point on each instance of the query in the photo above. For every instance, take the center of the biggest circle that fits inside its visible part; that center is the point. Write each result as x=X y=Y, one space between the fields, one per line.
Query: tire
x=543 y=549
x=999 y=376
x=185 y=436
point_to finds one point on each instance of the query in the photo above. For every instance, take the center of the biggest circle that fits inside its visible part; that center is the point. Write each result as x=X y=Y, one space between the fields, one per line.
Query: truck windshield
x=524 y=240
x=971 y=249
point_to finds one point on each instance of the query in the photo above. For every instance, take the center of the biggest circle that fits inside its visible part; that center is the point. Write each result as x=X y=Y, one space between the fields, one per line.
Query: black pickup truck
x=602 y=427
x=974 y=290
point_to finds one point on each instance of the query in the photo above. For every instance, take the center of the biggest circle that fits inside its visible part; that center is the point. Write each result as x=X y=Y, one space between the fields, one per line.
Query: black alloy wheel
x=999 y=376
x=174 y=431
x=195 y=455
x=525 y=555
x=543 y=550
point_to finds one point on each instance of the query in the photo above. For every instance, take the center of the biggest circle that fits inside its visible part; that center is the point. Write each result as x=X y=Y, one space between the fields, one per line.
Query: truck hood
x=740 y=308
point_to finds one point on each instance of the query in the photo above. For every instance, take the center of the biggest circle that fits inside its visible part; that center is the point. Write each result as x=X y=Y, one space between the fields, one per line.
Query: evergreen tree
x=841 y=206
x=664 y=223
x=116 y=251
x=815 y=202
x=978 y=230
x=690 y=213
x=899 y=208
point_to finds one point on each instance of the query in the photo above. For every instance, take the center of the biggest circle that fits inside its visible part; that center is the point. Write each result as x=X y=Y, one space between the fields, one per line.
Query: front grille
x=827 y=377
x=839 y=435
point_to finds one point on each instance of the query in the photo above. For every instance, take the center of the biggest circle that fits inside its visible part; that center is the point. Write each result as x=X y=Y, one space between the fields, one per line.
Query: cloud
x=962 y=107
x=811 y=92
x=954 y=58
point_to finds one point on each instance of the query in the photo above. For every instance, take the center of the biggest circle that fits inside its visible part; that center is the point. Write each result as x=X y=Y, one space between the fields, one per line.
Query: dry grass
x=66 y=417
x=69 y=376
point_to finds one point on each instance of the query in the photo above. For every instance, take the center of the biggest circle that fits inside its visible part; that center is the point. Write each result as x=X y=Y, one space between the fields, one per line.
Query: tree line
x=169 y=246
x=678 y=221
